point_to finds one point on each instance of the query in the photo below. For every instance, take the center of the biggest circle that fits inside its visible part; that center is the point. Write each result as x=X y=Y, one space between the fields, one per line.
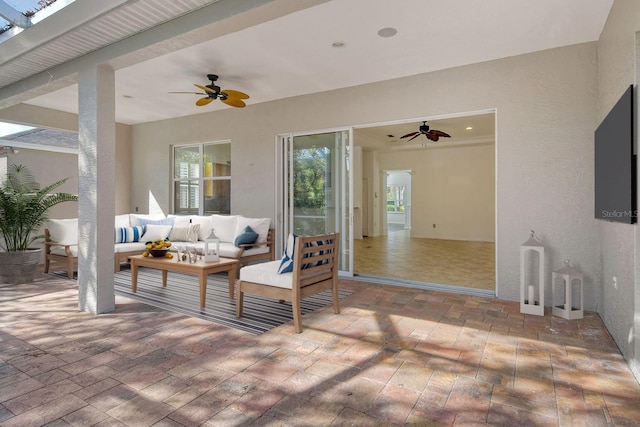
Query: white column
x=96 y=170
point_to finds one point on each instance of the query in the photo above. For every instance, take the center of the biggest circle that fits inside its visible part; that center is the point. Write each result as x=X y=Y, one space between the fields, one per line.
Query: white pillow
x=155 y=232
x=225 y=226
x=259 y=225
x=64 y=231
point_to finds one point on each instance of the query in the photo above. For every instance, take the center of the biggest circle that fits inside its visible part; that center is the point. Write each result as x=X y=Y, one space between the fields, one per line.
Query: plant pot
x=19 y=267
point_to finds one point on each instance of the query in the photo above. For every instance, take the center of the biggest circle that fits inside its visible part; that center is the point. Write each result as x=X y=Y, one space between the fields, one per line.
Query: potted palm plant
x=24 y=208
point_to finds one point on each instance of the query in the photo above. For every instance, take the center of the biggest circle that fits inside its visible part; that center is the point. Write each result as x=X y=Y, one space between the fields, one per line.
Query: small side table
x=573 y=305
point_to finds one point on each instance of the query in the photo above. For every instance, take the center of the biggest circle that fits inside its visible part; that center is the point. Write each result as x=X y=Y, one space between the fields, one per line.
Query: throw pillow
x=186 y=233
x=162 y=221
x=247 y=237
x=128 y=234
x=318 y=252
x=154 y=232
x=286 y=265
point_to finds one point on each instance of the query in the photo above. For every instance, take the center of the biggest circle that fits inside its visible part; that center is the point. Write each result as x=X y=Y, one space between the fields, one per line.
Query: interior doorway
x=398 y=206
x=448 y=238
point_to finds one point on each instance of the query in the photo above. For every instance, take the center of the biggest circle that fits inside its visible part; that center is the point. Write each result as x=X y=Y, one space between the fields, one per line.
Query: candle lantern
x=212 y=248
x=532 y=276
x=571 y=306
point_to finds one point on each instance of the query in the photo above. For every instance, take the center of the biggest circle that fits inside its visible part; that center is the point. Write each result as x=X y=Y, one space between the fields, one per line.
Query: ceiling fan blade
x=203 y=101
x=414 y=134
x=191 y=93
x=235 y=94
x=206 y=89
x=234 y=102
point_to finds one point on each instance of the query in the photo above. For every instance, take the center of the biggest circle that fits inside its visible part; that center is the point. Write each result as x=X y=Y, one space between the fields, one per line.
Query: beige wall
x=452 y=187
x=620 y=309
x=546 y=113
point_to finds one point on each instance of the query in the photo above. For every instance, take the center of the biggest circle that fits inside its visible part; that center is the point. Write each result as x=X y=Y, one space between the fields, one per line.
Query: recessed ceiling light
x=469 y=128
x=337 y=44
x=387 y=32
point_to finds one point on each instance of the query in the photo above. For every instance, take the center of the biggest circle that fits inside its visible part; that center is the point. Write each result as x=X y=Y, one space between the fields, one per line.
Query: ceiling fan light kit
x=424 y=129
x=211 y=92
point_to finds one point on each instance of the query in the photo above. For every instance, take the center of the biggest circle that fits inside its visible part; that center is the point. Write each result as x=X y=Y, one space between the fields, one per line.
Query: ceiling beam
x=15 y=17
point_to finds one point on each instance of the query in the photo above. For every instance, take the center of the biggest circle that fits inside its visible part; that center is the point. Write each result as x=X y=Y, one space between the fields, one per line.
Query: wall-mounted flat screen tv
x=615 y=163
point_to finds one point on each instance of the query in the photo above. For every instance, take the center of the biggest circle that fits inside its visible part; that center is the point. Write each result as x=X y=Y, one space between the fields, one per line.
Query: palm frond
x=24 y=207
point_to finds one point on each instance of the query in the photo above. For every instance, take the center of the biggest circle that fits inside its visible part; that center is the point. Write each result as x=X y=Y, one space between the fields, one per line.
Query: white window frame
x=200 y=178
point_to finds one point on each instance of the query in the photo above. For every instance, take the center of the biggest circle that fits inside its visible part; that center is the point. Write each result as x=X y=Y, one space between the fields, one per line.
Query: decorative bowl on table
x=158 y=253
x=158 y=249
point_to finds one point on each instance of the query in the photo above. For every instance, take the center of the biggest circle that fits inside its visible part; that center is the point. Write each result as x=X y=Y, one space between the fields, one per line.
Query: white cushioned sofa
x=245 y=239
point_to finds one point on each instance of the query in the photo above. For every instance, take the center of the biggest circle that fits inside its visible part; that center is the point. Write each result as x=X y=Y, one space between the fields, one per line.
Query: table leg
x=232 y=281
x=134 y=276
x=203 y=288
x=164 y=278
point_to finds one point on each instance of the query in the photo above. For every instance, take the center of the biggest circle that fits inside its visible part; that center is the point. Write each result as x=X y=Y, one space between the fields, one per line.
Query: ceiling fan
x=212 y=92
x=432 y=134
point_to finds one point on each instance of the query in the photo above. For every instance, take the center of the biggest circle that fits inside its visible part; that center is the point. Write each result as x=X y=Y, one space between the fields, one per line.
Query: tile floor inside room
x=393 y=356
x=397 y=255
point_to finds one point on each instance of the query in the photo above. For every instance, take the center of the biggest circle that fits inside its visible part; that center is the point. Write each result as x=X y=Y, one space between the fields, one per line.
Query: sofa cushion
x=122 y=220
x=259 y=225
x=247 y=237
x=205 y=225
x=266 y=273
x=128 y=234
x=185 y=233
x=286 y=264
x=156 y=221
x=180 y=220
x=224 y=226
x=129 y=247
x=64 y=231
x=153 y=232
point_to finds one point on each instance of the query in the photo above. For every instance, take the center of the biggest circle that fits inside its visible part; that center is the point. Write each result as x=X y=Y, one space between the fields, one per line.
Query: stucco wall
x=617 y=61
x=546 y=111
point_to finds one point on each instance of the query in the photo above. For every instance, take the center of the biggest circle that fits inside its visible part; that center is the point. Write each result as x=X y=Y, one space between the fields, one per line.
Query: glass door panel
x=317 y=188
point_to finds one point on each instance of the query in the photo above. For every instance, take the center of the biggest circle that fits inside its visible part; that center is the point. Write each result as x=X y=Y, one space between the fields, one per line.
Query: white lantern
x=532 y=287
x=212 y=248
x=572 y=305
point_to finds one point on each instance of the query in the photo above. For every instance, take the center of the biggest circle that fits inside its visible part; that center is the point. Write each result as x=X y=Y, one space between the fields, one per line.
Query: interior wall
x=453 y=188
x=618 y=57
x=545 y=103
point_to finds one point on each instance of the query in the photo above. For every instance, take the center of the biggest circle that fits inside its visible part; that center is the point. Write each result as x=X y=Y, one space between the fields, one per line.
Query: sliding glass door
x=315 y=188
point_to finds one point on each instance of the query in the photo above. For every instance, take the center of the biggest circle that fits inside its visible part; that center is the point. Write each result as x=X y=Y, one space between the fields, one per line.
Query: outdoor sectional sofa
x=245 y=239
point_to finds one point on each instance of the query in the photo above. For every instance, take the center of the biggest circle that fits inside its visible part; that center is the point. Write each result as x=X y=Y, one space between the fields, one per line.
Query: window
x=395 y=198
x=202 y=178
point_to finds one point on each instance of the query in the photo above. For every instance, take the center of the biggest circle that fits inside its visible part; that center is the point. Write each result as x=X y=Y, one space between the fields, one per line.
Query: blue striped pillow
x=286 y=265
x=319 y=252
x=161 y=221
x=128 y=234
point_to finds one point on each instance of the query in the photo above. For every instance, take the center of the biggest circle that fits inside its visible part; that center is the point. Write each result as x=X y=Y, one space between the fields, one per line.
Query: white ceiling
x=293 y=54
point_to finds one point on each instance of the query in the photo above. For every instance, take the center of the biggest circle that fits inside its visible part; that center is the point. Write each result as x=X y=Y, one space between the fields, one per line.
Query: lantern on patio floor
x=212 y=248
x=532 y=276
x=571 y=305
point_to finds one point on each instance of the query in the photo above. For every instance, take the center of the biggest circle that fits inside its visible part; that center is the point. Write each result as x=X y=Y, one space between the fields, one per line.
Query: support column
x=96 y=177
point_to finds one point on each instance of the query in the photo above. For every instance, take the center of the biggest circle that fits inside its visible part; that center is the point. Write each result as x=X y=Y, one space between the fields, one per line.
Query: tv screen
x=615 y=164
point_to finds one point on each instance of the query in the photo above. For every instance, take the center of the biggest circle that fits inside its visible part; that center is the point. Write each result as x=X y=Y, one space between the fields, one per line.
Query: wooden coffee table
x=201 y=269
